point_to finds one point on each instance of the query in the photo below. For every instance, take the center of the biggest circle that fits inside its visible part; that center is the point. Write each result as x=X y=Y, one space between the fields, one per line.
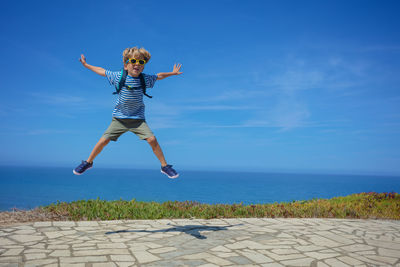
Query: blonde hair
x=135 y=52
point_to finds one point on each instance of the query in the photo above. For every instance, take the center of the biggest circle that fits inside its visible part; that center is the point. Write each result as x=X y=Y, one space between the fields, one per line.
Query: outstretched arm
x=175 y=71
x=98 y=70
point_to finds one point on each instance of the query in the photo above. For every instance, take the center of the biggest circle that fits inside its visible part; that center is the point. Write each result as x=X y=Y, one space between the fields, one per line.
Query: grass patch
x=360 y=206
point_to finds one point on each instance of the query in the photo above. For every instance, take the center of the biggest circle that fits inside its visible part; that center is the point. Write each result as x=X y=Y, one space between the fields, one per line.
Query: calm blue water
x=26 y=188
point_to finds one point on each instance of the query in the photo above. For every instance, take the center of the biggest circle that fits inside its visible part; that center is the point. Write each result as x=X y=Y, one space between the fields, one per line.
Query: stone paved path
x=220 y=242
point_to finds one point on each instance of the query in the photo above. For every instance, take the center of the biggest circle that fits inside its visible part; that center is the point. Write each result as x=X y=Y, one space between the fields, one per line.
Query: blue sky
x=309 y=86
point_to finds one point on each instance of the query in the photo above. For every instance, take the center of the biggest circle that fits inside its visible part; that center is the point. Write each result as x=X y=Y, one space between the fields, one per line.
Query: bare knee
x=152 y=141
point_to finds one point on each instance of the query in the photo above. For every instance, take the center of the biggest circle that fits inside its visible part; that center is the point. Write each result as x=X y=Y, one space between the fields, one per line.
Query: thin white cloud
x=233 y=95
x=295 y=80
x=219 y=107
x=175 y=111
x=290 y=114
x=289 y=110
x=381 y=48
x=46 y=132
x=58 y=99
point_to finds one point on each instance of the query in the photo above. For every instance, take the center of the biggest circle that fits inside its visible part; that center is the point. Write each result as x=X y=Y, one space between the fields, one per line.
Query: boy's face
x=134 y=69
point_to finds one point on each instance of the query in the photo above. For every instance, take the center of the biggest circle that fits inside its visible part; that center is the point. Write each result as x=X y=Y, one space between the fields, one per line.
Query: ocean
x=30 y=187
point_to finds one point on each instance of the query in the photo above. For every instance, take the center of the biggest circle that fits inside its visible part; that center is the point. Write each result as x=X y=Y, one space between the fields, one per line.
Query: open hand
x=82 y=59
x=177 y=68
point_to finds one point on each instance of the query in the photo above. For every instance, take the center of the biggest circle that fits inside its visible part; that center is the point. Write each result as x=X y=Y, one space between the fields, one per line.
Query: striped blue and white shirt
x=130 y=103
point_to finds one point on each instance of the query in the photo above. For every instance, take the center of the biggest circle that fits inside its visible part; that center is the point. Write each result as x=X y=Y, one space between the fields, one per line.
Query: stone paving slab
x=206 y=243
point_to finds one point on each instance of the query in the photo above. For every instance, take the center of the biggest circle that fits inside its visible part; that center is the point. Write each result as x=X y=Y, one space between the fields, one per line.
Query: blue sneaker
x=169 y=171
x=82 y=167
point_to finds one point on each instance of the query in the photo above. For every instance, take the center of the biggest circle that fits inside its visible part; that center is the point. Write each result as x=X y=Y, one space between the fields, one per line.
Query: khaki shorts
x=121 y=126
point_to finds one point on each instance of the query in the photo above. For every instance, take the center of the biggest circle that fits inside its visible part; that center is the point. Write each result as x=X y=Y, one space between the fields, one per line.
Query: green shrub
x=363 y=206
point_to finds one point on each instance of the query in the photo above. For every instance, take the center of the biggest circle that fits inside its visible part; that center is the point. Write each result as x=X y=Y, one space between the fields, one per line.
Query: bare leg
x=98 y=148
x=157 y=150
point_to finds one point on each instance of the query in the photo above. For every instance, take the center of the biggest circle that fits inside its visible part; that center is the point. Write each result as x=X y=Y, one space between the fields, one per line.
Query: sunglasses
x=134 y=61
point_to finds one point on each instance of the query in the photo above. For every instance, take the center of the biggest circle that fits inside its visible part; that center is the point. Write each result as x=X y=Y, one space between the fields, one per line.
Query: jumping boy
x=128 y=114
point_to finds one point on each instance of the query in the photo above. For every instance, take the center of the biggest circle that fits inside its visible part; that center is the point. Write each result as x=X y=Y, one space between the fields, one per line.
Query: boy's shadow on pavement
x=193 y=230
